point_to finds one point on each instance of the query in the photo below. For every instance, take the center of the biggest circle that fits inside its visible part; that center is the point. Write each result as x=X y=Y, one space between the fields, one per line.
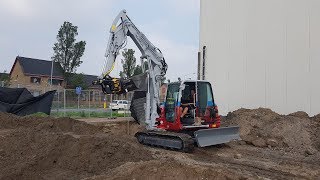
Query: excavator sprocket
x=167 y=140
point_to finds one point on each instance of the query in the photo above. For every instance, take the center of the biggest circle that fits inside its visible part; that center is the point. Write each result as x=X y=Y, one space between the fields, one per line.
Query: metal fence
x=89 y=103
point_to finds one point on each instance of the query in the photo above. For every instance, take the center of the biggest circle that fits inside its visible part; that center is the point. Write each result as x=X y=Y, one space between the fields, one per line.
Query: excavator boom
x=121 y=28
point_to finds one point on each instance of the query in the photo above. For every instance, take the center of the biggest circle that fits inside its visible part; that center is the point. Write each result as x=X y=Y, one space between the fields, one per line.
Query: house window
x=35 y=80
x=55 y=82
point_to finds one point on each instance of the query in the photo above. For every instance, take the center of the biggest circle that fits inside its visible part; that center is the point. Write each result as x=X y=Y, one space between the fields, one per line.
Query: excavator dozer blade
x=208 y=137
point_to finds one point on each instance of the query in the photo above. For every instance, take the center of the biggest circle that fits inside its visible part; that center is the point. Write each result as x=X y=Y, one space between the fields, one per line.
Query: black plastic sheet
x=21 y=102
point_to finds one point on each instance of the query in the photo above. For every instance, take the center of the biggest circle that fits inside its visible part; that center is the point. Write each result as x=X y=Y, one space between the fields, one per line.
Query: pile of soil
x=168 y=169
x=296 y=132
x=63 y=148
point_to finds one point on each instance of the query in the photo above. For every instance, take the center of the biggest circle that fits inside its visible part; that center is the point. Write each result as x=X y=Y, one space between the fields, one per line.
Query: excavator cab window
x=171 y=101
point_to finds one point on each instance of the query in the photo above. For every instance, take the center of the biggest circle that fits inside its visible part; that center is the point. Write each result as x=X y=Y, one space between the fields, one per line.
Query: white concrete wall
x=262 y=53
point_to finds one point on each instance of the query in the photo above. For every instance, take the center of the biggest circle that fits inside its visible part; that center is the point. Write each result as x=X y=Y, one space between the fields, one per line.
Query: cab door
x=205 y=101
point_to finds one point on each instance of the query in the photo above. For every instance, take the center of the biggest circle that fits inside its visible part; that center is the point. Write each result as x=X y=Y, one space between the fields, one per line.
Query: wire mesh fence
x=87 y=103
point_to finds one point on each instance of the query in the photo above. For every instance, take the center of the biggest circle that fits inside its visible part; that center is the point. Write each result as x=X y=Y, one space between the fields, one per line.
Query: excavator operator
x=187 y=103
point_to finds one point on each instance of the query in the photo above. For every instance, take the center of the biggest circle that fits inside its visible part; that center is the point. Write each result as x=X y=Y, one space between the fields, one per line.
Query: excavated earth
x=273 y=147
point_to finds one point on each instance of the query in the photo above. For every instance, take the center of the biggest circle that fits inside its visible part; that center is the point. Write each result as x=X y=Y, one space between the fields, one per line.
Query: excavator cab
x=190 y=107
x=198 y=103
x=196 y=99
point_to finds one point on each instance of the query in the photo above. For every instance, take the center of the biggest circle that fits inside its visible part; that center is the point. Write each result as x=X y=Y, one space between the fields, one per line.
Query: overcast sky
x=29 y=28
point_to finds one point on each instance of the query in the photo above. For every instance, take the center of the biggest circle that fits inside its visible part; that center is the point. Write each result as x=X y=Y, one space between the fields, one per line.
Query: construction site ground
x=273 y=147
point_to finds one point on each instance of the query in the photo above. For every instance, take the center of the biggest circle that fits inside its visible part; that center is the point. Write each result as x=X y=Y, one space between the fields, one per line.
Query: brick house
x=35 y=75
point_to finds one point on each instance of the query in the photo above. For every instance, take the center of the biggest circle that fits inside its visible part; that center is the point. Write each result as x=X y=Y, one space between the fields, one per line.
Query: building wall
x=262 y=53
x=17 y=76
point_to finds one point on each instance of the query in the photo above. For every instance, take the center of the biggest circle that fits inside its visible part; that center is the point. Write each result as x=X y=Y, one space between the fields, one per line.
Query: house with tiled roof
x=35 y=74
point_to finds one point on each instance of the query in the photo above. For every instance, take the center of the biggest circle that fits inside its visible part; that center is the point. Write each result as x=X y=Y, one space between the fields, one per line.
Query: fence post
x=64 y=102
x=78 y=101
x=58 y=107
x=89 y=104
x=109 y=105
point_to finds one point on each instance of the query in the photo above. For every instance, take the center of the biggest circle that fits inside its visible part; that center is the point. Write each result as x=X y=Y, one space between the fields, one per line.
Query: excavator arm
x=148 y=81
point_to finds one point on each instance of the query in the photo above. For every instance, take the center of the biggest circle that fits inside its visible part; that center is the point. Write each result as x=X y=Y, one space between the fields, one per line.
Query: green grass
x=75 y=106
x=38 y=114
x=83 y=114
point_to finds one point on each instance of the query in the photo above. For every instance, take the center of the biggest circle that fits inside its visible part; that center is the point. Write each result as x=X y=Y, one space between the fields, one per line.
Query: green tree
x=77 y=80
x=4 y=78
x=137 y=70
x=128 y=63
x=67 y=51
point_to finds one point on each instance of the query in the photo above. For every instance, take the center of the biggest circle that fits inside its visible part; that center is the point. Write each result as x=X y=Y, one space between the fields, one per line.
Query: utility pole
x=51 y=75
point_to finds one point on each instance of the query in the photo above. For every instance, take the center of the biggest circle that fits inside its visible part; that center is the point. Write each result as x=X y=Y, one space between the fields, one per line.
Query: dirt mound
x=155 y=169
x=261 y=127
x=10 y=121
x=300 y=114
x=63 y=148
x=316 y=118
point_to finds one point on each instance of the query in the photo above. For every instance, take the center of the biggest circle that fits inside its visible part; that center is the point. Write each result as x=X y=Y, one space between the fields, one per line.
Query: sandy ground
x=273 y=147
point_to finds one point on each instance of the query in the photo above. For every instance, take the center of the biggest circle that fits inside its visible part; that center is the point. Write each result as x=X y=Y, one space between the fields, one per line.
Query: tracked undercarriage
x=167 y=140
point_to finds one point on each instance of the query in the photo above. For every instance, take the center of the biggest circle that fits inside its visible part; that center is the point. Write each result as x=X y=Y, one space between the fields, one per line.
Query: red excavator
x=188 y=116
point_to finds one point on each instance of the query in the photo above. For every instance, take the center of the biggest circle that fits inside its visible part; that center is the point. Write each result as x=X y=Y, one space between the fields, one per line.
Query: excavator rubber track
x=167 y=140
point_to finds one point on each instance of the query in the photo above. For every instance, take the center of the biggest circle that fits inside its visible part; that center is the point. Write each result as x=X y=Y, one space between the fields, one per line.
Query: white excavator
x=187 y=117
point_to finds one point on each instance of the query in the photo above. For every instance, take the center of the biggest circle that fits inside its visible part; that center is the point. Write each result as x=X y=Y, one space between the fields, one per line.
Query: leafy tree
x=5 y=78
x=67 y=51
x=77 y=80
x=128 y=63
x=138 y=69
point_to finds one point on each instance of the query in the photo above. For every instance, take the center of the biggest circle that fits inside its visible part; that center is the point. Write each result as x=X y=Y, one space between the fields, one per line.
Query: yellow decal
x=113 y=28
x=108 y=72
